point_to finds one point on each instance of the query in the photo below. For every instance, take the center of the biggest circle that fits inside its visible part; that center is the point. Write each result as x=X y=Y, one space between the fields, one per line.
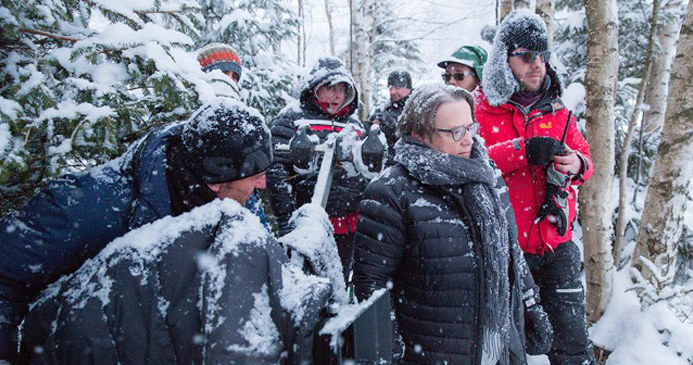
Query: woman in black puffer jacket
x=438 y=225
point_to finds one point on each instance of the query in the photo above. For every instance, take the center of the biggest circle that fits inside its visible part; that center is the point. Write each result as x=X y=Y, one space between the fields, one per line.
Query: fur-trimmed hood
x=329 y=70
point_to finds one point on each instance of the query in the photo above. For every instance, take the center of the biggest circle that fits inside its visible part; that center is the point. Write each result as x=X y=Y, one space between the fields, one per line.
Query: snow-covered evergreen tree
x=382 y=44
x=393 y=49
x=255 y=29
x=81 y=80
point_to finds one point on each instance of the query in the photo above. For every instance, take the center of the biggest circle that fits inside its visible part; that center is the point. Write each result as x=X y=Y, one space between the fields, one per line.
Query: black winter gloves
x=556 y=199
x=540 y=150
x=538 y=330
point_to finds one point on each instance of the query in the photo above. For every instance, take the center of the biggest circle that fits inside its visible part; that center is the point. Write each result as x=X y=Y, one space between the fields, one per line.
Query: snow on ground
x=635 y=337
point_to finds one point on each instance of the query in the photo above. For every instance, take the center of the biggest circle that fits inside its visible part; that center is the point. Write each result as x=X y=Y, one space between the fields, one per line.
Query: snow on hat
x=521 y=28
x=217 y=56
x=399 y=78
x=226 y=141
x=473 y=57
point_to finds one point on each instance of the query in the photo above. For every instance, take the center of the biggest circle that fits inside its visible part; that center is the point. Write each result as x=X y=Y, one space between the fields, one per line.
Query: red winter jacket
x=505 y=127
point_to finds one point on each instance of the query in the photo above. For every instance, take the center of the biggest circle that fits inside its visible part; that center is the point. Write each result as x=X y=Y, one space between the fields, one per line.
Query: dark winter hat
x=217 y=56
x=470 y=56
x=226 y=141
x=519 y=31
x=399 y=78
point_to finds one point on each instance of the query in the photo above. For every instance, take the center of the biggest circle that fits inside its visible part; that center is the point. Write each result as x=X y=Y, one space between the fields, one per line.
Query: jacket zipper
x=475 y=236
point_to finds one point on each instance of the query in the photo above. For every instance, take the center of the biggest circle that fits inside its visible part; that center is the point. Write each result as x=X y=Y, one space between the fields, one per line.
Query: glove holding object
x=555 y=205
x=540 y=150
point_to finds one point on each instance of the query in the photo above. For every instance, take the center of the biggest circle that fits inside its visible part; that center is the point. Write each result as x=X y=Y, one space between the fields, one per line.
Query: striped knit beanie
x=217 y=56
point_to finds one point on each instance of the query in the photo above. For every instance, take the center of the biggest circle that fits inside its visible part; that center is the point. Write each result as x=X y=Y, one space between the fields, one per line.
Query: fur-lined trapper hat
x=520 y=29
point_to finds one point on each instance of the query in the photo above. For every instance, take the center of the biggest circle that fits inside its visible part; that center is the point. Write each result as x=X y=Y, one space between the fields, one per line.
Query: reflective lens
x=459 y=76
x=530 y=56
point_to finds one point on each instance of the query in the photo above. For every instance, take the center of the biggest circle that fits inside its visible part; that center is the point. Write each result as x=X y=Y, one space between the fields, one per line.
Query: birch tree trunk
x=301 y=36
x=595 y=213
x=522 y=4
x=656 y=98
x=634 y=120
x=361 y=61
x=328 y=14
x=665 y=204
x=545 y=9
x=506 y=6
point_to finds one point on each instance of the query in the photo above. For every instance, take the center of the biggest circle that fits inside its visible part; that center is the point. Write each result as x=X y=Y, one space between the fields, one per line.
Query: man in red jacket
x=543 y=156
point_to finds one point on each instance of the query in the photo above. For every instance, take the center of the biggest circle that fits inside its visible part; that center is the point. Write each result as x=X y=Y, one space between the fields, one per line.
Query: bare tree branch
x=49 y=35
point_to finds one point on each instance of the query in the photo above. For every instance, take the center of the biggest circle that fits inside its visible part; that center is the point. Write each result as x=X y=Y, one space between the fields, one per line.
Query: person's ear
x=214 y=187
x=418 y=136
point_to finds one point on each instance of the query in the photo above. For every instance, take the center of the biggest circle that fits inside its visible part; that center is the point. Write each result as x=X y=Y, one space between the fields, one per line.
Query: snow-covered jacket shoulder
x=209 y=286
x=505 y=128
x=72 y=219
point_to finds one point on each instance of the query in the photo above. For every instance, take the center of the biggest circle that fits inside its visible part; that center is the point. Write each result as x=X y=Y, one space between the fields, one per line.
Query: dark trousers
x=563 y=299
x=345 y=247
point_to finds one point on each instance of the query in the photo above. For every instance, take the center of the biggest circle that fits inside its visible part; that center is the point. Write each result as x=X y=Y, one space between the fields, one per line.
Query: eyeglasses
x=459 y=76
x=458 y=133
x=530 y=56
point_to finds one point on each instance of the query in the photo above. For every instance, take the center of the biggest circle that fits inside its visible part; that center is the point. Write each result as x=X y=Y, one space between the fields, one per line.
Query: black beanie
x=226 y=141
x=519 y=31
x=399 y=78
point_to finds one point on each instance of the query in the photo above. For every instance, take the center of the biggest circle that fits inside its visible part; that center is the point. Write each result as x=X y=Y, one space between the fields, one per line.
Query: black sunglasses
x=530 y=56
x=459 y=76
x=458 y=133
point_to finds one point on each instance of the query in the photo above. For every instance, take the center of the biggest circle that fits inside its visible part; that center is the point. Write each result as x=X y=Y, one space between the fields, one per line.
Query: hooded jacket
x=75 y=217
x=505 y=125
x=419 y=230
x=288 y=189
x=206 y=287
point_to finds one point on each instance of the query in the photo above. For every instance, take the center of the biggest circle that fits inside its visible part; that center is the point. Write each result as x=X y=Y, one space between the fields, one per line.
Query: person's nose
x=537 y=62
x=467 y=139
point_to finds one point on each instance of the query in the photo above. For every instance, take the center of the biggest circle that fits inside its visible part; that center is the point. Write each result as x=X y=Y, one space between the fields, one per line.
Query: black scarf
x=470 y=182
x=186 y=189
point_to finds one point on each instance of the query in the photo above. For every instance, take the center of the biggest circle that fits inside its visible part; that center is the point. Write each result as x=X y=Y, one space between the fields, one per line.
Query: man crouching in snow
x=208 y=286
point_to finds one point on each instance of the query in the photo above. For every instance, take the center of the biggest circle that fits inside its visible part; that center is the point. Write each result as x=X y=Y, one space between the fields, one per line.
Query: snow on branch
x=49 y=35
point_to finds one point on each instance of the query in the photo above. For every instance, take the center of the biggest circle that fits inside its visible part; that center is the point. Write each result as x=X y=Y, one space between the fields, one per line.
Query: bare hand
x=570 y=162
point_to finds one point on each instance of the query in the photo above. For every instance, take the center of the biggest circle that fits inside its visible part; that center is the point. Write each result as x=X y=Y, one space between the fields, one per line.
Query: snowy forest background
x=80 y=80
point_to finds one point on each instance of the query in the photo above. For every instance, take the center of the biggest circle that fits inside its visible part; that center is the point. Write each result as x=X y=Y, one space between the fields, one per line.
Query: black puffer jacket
x=289 y=190
x=388 y=117
x=202 y=288
x=416 y=235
